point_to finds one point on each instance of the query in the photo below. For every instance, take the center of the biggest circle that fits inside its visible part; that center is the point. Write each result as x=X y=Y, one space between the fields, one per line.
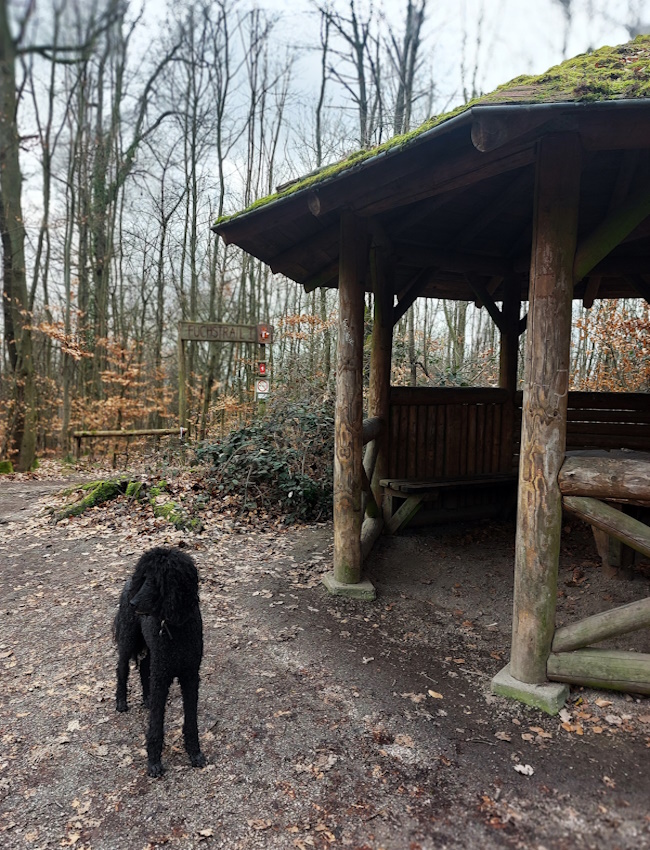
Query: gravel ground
x=326 y=722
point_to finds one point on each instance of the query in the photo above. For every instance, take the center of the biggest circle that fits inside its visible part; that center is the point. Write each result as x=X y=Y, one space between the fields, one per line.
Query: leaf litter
x=290 y=729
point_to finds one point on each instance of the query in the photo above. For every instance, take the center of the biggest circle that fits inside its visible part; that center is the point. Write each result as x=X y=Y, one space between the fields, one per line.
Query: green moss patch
x=6 y=467
x=96 y=493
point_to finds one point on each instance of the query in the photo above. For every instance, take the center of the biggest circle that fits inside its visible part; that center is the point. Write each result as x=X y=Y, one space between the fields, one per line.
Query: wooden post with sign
x=260 y=334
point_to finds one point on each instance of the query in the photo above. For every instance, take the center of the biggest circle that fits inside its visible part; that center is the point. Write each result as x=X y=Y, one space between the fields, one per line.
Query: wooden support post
x=508 y=365
x=348 y=422
x=543 y=436
x=380 y=361
x=182 y=384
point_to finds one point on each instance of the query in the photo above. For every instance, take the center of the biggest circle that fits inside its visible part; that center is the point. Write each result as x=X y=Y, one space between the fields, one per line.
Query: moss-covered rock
x=6 y=467
x=96 y=493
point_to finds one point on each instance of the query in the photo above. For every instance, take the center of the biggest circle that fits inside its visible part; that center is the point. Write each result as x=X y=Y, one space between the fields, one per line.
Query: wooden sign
x=215 y=332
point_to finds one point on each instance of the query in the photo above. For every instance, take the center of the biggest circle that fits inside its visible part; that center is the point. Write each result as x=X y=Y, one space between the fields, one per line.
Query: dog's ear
x=181 y=588
x=139 y=577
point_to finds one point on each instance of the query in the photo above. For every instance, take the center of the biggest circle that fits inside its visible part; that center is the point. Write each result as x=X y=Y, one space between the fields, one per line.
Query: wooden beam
x=640 y=284
x=543 y=434
x=491 y=131
x=606 y=477
x=404 y=514
x=612 y=669
x=612 y=231
x=521 y=183
x=591 y=292
x=415 y=288
x=326 y=277
x=412 y=254
x=450 y=173
x=617 y=524
x=480 y=290
x=323 y=241
x=607 y=624
x=348 y=415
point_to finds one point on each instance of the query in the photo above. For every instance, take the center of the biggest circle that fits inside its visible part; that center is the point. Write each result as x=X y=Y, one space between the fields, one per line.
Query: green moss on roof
x=610 y=73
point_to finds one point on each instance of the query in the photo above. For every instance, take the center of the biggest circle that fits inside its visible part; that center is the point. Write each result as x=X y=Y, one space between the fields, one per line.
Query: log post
x=348 y=418
x=508 y=364
x=543 y=434
x=182 y=384
x=380 y=360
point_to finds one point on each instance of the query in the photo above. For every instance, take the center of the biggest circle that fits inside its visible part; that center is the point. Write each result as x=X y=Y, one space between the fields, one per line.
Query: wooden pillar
x=348 y=416
x=510 y=335
x=508 y=365
x=543 y=434
x=182 y=383
x=380 y=359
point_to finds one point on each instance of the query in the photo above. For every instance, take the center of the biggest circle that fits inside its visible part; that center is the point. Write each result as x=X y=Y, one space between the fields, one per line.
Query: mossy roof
x=609 y=73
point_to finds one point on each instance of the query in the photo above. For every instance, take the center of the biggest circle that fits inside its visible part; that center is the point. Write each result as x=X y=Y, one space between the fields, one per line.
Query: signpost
x=262 y=334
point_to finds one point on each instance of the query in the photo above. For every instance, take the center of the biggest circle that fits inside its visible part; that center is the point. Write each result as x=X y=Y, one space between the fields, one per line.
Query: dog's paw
x=198 y=760
x=155 y=770
x=121 y=705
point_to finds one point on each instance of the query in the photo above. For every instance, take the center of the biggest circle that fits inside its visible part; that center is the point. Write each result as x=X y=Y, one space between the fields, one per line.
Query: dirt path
x=326 y=722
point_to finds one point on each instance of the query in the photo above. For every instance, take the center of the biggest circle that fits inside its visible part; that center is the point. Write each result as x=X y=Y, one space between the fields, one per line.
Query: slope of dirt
x=326 y=722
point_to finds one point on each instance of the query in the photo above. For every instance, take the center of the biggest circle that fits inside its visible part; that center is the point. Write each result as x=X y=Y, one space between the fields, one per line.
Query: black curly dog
x=159 y=625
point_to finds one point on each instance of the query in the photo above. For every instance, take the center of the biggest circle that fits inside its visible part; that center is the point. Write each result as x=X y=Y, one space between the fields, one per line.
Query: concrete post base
x=364 y=590
x=549 y=696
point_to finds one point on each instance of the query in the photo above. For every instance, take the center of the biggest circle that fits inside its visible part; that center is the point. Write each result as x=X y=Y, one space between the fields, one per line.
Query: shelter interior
x=512 y=200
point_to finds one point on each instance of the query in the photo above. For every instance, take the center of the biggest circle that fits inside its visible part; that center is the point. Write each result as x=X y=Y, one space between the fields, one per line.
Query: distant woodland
x=125 y=132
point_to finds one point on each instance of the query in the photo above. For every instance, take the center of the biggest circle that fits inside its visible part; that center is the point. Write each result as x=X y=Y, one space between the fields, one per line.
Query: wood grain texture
x=543 y=434
x=348 y=417
x=617 y=621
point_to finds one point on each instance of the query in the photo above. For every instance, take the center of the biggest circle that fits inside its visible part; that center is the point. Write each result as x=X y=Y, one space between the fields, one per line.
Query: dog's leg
x=145 y=667
x=155 y=735
x=190 y=690
x=123 y=660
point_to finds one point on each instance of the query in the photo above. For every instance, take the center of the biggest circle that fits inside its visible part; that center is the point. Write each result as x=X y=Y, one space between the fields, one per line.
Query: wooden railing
x=604 y=420
x=373 y=521
x=585 y=481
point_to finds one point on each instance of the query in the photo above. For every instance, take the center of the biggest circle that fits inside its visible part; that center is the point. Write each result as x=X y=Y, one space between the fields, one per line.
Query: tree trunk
x=21 y=437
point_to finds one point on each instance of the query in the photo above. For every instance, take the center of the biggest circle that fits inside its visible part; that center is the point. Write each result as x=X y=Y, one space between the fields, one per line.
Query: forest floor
x=326 y=722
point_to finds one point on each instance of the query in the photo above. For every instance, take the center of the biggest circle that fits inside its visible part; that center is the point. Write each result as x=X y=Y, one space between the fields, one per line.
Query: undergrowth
x=281 y=464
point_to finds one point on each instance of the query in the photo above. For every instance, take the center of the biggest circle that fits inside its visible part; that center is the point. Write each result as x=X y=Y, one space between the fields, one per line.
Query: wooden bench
x=415 y=491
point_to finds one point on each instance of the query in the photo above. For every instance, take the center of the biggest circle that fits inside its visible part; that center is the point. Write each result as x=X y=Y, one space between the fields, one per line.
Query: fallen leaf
x=524 y=769
x=415 y=697
x=609 y=782
x=435 y=694
x=503 y=736
x=603 y=703
x=259 y=824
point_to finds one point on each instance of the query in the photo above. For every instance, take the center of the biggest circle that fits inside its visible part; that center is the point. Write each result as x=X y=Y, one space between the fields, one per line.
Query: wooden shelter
x=539 y=192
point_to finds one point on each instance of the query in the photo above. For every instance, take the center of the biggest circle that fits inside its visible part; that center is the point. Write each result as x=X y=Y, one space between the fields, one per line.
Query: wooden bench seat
x=416 y=491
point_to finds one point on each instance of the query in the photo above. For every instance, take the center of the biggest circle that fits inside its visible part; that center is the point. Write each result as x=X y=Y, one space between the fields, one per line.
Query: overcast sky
x=504 y=38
